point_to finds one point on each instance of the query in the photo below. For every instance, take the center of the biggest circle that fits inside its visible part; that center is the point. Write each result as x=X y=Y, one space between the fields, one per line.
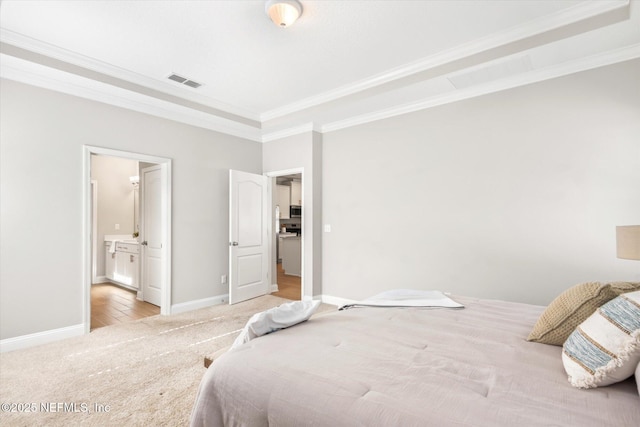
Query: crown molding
x=296 y=130
x=49 y=50
x=38 y=75
x=553 y=21
x=595 y=61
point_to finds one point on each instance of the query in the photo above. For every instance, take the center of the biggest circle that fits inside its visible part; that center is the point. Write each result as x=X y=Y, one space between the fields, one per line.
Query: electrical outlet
x=117 y=227
x=223 y=279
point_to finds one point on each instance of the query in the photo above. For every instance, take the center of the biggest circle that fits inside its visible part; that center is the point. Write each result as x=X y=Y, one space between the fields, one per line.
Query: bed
x=373 y=366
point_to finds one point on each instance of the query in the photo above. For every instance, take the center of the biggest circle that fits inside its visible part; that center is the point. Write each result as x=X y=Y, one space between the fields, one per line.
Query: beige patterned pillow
x=572 y=307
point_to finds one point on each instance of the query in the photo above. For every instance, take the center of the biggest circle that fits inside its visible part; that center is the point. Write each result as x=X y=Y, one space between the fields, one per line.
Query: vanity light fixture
x=283 y=12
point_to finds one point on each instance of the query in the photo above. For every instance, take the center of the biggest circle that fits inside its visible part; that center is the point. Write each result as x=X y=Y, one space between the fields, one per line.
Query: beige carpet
x=141 y=373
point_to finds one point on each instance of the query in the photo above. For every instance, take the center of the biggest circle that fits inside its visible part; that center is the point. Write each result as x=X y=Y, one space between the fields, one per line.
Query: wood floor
x=289 y=287
x=111 y=304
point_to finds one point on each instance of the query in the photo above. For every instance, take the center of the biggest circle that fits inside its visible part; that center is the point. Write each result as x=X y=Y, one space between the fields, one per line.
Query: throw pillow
x=605 y=348
x=572 y=307
x=638 y=377
x=280 y=317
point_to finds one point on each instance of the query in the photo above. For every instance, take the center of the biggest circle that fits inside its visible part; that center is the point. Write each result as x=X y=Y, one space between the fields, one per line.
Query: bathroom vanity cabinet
x=122 y=266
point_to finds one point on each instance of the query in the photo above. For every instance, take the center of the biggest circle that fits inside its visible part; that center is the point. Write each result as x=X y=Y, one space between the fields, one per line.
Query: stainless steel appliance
x=295 y=211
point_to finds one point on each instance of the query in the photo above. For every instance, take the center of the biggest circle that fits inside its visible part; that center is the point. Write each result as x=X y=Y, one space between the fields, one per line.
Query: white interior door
x=248 y=236
x=153 y=240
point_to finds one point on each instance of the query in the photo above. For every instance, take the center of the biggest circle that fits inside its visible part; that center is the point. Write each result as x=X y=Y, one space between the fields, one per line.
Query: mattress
x=373 y=366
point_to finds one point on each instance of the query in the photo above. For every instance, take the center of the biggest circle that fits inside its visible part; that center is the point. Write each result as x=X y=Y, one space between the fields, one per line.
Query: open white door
x=248 y=236
x=153 y=245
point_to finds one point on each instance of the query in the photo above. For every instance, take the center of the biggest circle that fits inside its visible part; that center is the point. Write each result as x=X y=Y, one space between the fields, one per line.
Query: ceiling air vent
x=192 y=84
x=184 y=81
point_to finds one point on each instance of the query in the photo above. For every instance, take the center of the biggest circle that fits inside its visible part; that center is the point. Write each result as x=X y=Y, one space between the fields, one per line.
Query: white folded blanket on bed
x=407 y=298
x=271 y=320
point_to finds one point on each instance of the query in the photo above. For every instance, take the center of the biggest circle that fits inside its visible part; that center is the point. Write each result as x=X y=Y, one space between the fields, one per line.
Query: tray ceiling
x=342 y=63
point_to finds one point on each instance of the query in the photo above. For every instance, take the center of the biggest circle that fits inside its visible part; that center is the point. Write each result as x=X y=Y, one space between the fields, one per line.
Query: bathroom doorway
x=116 y=294
x=121 y=267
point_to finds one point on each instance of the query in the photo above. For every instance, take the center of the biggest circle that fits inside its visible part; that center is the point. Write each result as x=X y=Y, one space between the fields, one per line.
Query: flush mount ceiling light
x=283 y=12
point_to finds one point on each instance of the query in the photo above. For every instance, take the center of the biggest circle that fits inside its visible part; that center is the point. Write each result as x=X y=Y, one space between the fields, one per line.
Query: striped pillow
x=605 y=348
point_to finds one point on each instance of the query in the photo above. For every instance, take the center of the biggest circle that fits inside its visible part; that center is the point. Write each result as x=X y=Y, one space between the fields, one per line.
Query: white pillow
x=276 y=318
x=605 y=348
x=638 y=377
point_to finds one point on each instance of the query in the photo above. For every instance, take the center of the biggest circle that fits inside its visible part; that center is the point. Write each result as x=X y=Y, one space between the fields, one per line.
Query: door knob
x=144 y=243
x=234 y=244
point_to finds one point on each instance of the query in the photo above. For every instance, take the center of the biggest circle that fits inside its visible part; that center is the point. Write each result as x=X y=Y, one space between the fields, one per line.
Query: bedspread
x=407 y=367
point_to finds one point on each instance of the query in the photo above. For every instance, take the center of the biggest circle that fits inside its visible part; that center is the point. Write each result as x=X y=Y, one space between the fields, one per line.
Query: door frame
x=94 y=230
x=87 y=226
x=272 y=264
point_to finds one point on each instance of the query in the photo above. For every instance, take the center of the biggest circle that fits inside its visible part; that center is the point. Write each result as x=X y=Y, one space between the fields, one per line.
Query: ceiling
x=342 y=63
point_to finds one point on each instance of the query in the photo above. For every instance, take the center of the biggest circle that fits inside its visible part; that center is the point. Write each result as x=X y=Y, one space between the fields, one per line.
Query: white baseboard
x=100 y=279
x=328 y=299
x=31 y=340
x=200 y=303
x=274 y=288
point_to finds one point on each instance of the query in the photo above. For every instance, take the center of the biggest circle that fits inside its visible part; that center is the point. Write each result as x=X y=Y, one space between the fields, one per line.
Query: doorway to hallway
x=289 y=287
x=288 y=233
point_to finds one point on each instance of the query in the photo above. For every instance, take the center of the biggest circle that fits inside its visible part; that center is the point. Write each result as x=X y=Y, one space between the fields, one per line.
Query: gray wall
x=41 y=154
x=513 y=195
